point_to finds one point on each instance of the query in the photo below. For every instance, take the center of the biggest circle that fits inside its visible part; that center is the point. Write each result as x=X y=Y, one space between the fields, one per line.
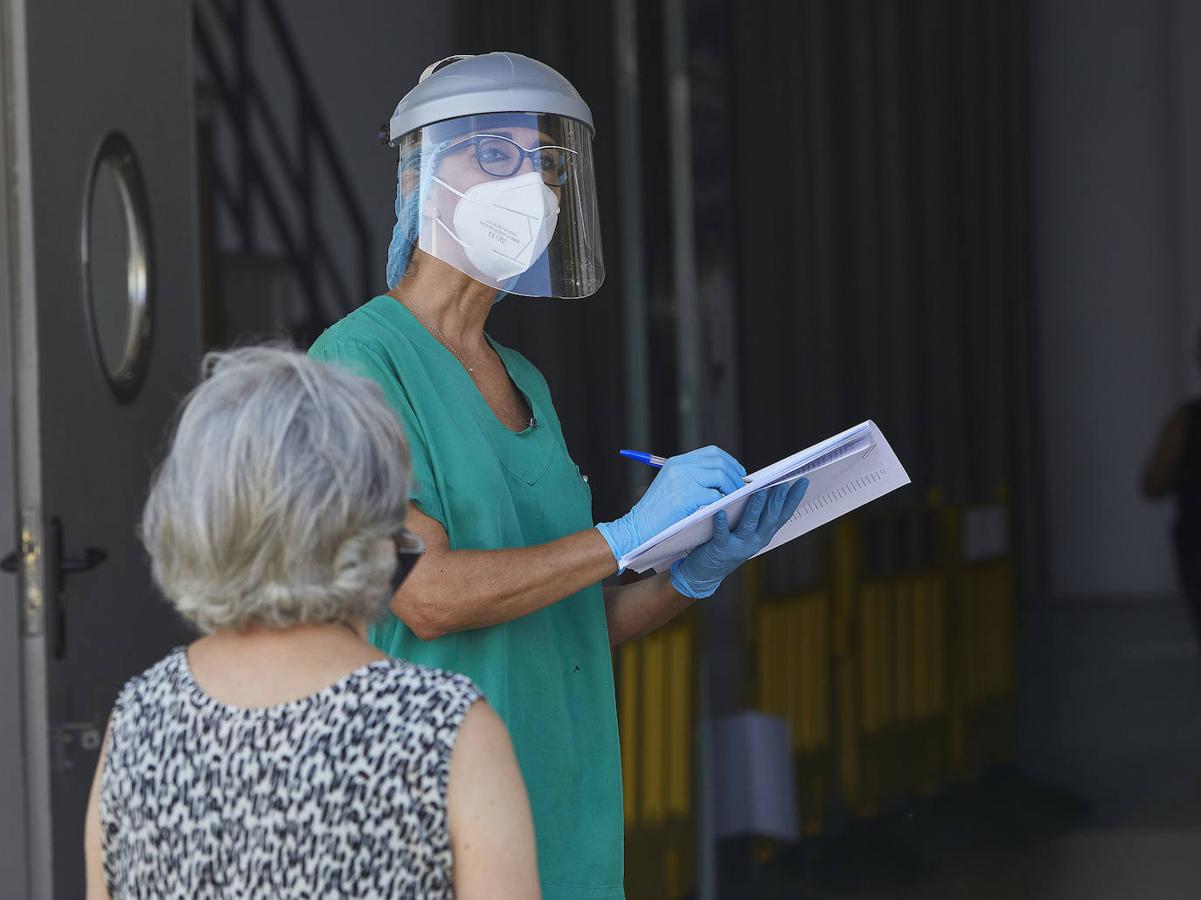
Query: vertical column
x=690 y=379
x=1105 y=270
x=633 y=263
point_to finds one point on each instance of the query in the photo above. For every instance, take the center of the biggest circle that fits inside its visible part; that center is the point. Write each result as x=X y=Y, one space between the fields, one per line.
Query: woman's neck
x=454 y=303
x=260 y=666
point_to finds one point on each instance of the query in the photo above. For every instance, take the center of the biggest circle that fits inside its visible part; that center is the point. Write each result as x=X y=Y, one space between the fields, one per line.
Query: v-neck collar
x=527 y=453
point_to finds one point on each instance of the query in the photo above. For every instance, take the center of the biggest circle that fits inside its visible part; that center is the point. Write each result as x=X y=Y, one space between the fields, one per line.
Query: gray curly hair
x=281 y=497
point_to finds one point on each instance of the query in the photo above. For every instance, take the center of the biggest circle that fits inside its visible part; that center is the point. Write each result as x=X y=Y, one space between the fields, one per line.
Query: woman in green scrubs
x=496 y=196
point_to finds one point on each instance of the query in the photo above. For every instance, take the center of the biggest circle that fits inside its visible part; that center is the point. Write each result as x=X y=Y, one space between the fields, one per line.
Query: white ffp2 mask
x=504 y=225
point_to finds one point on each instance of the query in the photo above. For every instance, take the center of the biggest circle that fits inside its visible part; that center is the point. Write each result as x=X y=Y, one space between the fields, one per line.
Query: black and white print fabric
x=339 y=794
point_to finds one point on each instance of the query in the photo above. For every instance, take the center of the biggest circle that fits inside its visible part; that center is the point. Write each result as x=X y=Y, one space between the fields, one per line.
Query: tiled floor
x=1124 y=864
x=1111 y=706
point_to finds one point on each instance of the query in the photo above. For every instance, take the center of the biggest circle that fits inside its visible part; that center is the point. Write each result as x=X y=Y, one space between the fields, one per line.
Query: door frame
x=26 y=738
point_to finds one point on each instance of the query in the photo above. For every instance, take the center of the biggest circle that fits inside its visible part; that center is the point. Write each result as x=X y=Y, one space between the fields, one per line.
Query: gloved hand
x=684 y=484
x=699 y=573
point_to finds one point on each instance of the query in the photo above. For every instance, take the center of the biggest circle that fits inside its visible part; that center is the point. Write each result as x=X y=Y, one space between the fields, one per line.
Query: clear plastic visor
x=507 y=198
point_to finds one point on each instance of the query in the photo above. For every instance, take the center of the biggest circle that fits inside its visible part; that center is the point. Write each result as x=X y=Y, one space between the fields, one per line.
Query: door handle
x=92 y=557
x=60 y=566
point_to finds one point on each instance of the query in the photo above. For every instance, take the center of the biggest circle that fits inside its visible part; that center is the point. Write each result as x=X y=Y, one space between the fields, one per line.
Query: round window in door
x=116 y=265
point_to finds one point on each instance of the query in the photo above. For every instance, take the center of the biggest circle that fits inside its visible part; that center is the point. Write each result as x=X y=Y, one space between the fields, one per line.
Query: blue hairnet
x=408 y=208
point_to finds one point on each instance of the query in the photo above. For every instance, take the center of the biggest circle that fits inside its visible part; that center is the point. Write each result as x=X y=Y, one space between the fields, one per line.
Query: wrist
x=692 y=589
x=612 y=532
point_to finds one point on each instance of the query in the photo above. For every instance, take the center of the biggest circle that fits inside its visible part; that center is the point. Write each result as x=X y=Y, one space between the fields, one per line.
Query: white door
x=101 y=286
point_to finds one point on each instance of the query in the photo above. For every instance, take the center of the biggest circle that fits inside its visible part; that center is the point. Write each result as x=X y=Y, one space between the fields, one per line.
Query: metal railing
x=280 y=158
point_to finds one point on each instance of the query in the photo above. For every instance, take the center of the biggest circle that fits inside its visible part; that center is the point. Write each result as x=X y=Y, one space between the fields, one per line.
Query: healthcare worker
x=496 y=196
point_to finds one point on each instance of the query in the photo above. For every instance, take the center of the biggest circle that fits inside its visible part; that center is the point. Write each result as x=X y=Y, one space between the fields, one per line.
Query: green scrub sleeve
x=360 y=359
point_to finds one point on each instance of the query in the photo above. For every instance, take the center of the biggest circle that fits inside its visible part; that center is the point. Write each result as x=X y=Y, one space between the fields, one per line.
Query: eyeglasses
x=501 y=157
x=409 y=548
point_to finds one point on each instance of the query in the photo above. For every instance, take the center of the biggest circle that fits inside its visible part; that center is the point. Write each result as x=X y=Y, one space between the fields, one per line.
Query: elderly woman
x=495 y=197
x=281 y=755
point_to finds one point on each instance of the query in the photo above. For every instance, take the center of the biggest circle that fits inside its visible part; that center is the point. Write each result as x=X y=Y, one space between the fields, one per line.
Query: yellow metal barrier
x=893 y=677
x=656 y=689
x=983 y=698
x=895 y=670
x=792 y=680
x=928 y=656
x=891 y=661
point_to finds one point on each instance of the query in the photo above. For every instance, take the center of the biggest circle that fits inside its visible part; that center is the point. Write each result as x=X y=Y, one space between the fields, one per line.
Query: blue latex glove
x=684 y=484
x=699 y=573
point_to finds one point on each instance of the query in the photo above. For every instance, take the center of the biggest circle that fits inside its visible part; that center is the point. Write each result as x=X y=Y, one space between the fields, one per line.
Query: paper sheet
x=844 y=472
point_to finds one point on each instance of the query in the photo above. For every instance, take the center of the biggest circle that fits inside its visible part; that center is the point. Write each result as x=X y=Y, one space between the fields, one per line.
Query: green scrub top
x=549 y=675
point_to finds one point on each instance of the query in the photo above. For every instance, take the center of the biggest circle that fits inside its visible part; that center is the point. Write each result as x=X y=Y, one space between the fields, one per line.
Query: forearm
x=636 y=609
x=457 y=590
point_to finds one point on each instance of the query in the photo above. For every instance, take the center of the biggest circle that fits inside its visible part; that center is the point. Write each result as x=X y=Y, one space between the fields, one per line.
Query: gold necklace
x=436 y=332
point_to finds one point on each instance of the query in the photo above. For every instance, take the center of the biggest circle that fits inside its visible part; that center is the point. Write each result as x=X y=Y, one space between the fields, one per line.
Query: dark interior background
x=970 y=222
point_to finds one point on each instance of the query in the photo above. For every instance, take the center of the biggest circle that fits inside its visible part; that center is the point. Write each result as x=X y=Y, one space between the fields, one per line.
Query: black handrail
x=247 y=106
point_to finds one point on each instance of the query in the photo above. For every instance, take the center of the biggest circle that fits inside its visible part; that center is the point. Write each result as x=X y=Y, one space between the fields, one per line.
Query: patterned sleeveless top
x=338 y=794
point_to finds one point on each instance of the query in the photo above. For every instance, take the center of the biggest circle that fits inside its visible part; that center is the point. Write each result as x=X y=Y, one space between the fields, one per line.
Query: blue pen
x=649 y=459
x=655 y=462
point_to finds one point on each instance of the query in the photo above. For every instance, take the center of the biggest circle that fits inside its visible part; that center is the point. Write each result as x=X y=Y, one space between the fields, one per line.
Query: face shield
x=507 y=198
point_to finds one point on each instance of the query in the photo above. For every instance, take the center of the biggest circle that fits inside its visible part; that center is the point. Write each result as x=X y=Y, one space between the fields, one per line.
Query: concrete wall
x=1114 y=199
x=1186 y=35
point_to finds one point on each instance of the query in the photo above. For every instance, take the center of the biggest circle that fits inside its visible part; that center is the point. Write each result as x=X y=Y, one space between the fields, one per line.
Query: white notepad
x=844 y=472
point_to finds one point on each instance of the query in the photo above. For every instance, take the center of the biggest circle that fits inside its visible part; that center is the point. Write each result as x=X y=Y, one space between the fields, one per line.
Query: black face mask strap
x=405 y=561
